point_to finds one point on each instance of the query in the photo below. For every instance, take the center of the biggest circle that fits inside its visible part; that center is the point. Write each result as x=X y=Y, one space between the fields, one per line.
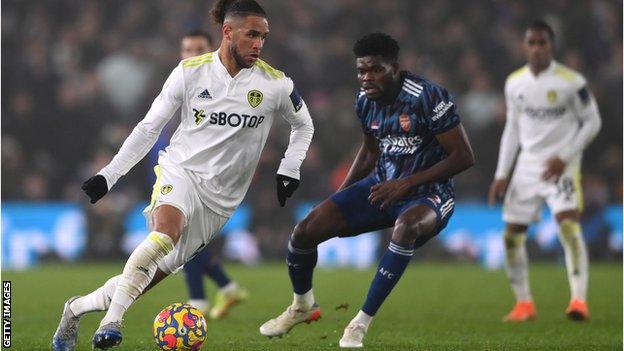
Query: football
x=180 y=327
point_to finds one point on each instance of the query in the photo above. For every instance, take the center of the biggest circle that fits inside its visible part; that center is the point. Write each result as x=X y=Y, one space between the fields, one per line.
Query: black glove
x=95 y=187
x=286 y=186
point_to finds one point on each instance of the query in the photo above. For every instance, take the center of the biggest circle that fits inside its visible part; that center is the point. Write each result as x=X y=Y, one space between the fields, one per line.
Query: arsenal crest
x=405 y=122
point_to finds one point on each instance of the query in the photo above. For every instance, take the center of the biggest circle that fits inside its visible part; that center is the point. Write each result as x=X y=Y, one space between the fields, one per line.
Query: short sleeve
x=440 y=110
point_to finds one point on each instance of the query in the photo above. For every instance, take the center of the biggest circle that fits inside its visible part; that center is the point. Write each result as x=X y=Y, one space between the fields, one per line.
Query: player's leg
x=193 y=275
x=346 y=213
x=66 y=334
x=565 y=199
x=577 y=262
x=168 y=222
x=413 y=228
x=324 y=222
x=230 y=292
x=521 y=207
x=517 y=268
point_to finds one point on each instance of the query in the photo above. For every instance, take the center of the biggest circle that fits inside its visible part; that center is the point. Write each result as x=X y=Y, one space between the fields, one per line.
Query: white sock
x=577 y=261
x=304 y=301
x=98 y=300
x=363 y=318
x=229 y=288
x=137 y=274
x=517 y=265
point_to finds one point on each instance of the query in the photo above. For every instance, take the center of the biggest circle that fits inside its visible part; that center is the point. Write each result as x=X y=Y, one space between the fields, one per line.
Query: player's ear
x=227 y=31
x=395 y=67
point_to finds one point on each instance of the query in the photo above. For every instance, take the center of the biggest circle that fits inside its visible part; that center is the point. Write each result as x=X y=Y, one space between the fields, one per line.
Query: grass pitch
x=434 y=307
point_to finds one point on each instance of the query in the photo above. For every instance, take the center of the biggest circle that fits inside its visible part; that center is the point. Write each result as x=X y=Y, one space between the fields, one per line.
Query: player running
x=197 y=43
x=551 y=118
x=412 y=144
x=229 y=99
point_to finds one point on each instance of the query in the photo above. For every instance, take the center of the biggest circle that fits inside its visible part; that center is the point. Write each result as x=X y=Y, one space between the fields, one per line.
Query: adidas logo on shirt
x=205 y=94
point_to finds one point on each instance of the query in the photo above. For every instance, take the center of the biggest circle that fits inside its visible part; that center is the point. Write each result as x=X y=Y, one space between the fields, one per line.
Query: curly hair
x=223 y=8
x=377 y=44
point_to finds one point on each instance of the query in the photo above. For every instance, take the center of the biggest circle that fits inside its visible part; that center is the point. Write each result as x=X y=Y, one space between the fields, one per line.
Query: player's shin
x=137 y=274
x=391 y=268
x=98 y=300
x=516 y=263
x=576 y=259
x=301 y=263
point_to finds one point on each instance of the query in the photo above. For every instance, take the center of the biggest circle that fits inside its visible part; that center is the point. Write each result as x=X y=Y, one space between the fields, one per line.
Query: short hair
x=224 y=8
x=539 y=25
x=377 y=44
x=200 y=33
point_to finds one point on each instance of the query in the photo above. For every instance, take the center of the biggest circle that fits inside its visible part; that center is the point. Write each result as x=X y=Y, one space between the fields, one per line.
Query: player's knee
x=407 y=232
x=168 y=220
x=301 y=237
x=514 y=236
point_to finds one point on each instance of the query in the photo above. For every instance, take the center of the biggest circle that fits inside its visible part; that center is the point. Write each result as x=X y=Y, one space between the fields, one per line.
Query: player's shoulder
x=567 y=74
x=517 y=75
x=197 y=61
x=269 y=71
x=419 y=87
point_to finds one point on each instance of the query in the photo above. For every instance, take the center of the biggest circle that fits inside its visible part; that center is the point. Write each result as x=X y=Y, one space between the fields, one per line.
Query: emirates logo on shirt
x=405 y=122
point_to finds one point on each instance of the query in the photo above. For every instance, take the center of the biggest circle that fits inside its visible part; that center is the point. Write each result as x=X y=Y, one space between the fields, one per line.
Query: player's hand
x=554 y=169
x=389 y=191
x=497 y=190
x=95 y=187
x=286 y=186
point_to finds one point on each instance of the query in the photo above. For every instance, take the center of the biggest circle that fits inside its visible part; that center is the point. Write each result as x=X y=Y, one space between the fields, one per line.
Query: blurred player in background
x=228 y=99
x=412 y=145
x=551 y=118
x=196 y=43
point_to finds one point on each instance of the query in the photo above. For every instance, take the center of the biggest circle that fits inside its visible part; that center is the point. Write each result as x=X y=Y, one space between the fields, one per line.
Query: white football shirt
x=551 y=114
x=224 y=126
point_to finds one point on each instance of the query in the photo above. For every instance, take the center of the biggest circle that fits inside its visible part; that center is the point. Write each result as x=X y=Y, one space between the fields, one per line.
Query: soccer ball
x=180 y=327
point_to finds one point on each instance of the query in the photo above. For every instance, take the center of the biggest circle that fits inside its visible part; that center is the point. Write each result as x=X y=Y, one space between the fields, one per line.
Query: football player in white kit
x=228 y=99
x=551 y=118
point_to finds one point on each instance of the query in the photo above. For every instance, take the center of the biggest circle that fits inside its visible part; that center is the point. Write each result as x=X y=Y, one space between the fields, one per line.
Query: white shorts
x=527 y=192
x=175 y=188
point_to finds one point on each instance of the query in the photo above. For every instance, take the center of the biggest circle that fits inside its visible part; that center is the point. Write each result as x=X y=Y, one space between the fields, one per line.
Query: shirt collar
x=224 y=70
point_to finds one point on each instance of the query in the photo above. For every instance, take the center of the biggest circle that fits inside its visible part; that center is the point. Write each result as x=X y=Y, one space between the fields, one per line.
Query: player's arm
x=459 y=158
x=297 y=115
x=141 y=140
x=585 y=107
x=509 y=146
x=364 y=162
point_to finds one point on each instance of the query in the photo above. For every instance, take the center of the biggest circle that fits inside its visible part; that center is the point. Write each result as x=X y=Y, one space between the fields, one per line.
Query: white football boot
x=353 y=335
x=288 y=319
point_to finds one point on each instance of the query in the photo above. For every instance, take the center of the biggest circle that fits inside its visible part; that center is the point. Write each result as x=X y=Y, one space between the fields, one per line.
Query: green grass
x=434 y=307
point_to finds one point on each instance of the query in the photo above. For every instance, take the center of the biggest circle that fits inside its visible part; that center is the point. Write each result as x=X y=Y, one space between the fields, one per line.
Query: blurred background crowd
x=78 y=75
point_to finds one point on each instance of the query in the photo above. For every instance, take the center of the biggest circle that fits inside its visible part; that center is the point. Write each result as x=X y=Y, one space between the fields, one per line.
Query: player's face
x=376 y=76
x=537 y=47
x=193 y=46
x=247 y=36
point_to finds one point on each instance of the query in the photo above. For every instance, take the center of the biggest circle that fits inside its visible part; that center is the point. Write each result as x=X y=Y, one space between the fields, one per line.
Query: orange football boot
x=523 y=311
x=577 y=310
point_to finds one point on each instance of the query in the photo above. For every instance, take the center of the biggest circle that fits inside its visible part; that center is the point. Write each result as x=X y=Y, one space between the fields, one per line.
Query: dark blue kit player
x=412 y=145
